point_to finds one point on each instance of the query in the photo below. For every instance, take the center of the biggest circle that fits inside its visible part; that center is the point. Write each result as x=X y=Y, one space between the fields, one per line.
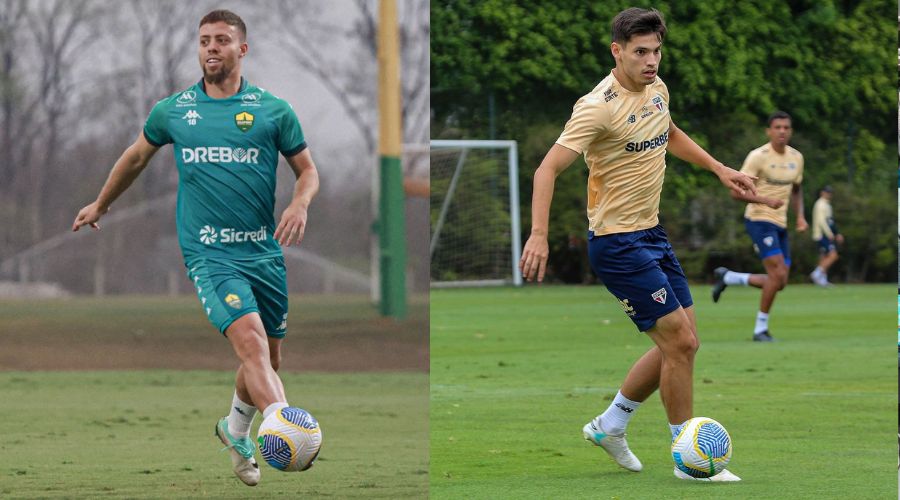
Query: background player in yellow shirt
x=825 y=234
x=779 y=171
x=623 y=129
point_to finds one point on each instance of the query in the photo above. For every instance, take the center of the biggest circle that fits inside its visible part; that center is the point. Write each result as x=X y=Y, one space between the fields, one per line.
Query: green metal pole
x=391 y=217
x=393 y=239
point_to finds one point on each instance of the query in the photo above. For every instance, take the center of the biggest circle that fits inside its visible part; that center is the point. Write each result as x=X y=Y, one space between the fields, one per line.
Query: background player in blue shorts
x=779 y=171
x=227 y=135
x=826 y=235
x=623 y=129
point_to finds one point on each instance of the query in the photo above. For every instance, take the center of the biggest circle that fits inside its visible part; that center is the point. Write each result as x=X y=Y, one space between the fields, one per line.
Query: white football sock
x=819 y=271
x=733 y=278
x=273 y=408
x=762 y=322
x=675 y=429
x=240 y=418
x=615 y=419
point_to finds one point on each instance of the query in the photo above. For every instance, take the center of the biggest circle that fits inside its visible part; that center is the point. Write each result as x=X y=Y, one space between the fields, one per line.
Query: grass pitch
x=516 y=373
x=147 y=378
x=149 y=434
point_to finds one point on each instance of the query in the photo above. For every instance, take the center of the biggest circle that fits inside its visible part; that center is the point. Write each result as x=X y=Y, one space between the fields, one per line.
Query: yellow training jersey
x=822 y=219
x=623 y=137
x=776 y=175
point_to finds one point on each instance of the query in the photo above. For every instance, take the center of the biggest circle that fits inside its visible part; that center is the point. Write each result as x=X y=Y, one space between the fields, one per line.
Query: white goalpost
x=475 y=225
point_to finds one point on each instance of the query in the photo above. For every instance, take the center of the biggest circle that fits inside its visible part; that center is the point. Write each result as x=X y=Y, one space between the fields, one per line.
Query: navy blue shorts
x=768 y=239
x=825 y=245
x=641 y=271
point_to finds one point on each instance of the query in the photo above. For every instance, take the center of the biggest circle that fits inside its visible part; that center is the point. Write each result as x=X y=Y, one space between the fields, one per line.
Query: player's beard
x=217 y=77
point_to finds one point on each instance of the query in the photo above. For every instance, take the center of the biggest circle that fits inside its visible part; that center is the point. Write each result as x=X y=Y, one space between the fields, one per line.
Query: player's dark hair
x=635 y=21
x=778 y=115
x=227 y=17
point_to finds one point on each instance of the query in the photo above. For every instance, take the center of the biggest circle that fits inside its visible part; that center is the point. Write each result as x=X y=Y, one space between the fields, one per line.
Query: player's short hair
x=778 y=115
x=227 y=17
x=635 y=21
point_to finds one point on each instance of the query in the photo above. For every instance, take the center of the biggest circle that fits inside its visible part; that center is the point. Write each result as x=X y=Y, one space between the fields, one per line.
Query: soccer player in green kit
x=226 y=136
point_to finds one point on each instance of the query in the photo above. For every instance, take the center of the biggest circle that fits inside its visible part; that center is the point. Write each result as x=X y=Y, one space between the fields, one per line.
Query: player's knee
x=684 y=349
x=250 y=346
x=683 y=344
x=691 y=345
x=779 y=276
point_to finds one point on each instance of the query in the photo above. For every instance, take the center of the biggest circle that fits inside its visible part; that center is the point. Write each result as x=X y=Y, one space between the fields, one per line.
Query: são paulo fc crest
x=659 y=295
x=243 y=120
x=768 y=240
x=233 y=300
x=658 y=102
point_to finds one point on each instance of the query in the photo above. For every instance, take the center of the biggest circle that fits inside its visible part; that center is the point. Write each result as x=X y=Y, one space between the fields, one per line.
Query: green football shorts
x=229 y=289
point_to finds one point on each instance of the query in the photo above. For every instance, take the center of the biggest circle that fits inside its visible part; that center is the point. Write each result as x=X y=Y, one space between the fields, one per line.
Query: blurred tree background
x=512 y=69
x=78 y=78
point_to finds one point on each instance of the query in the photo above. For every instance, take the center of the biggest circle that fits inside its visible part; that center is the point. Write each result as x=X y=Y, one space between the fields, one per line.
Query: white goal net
x=475 y=228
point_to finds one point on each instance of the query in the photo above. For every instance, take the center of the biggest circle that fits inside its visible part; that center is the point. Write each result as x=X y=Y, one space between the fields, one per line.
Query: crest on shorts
x=233 y=300
x=768 y=240
x=659 y=295
x=627 y=307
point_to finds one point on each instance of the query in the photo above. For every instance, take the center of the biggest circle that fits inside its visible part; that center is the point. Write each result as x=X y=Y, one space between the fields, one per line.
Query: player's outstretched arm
x=797 y=199
x=682 y=146
x=755 y=198
x=533 y=263
x=293 y=220
x=123 y=173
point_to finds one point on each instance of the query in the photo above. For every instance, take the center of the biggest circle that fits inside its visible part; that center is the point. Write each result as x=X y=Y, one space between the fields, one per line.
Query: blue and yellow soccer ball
x=702 y=448
x=290 y=439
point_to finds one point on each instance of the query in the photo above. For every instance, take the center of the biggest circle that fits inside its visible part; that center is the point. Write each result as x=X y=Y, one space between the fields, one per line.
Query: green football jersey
x=227 y=152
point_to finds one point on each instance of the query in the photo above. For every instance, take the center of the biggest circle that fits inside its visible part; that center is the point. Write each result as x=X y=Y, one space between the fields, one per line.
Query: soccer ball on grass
x=289 y=439
x=702 y=448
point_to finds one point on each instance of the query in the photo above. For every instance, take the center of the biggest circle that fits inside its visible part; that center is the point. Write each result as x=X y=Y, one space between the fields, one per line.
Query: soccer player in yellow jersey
x=623 y=129
x=825 y=234
x=779 y=171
